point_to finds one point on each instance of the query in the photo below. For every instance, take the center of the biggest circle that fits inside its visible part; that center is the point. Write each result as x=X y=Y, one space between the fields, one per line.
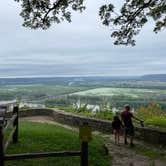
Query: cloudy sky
x=83 y=47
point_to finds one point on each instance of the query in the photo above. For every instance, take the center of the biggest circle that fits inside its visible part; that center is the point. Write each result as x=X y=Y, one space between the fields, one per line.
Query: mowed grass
x=128 y=92
x=42 y=137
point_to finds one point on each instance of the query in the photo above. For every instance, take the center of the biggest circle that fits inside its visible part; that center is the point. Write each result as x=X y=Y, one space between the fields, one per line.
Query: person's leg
x=131 y=136
x=131 y=140
x=118 y=132
x=125 y=136
x=115 y=135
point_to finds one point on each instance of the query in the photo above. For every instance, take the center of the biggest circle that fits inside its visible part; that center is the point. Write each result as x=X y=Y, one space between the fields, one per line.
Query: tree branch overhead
x=127 y=23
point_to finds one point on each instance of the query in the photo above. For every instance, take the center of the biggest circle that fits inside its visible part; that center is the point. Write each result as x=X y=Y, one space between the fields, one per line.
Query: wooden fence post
x=85 y=134
x=1 y=147
x=84 y=154
x=15 y=124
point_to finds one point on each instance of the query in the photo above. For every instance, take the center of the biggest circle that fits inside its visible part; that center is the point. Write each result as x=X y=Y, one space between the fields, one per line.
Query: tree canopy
x=125 y=24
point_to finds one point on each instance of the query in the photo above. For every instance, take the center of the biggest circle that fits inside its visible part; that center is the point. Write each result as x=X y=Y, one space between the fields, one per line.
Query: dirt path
x=121 y=155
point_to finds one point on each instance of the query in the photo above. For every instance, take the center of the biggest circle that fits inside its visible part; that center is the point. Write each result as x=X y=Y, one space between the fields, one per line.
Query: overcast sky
x=83 y=47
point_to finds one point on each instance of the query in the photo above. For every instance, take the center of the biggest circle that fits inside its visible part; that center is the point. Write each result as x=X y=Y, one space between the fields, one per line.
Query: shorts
x=129 y=130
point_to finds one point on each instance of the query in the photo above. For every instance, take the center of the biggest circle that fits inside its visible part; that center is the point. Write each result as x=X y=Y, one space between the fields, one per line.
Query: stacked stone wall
x=153 y=136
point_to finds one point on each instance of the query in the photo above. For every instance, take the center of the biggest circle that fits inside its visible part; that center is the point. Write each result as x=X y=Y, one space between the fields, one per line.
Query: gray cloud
x=83 y=47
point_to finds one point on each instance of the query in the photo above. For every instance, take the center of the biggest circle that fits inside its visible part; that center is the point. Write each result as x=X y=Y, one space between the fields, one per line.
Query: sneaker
x=126 y=143
x=132 y=145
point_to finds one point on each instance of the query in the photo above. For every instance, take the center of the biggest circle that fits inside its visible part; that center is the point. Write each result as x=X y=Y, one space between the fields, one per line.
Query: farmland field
x=66 y=91
x=36 y=91
x=119 y=96
x=128 y=92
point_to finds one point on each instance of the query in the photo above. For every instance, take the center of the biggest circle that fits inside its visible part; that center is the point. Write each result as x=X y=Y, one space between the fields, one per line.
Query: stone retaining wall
x=149 y=135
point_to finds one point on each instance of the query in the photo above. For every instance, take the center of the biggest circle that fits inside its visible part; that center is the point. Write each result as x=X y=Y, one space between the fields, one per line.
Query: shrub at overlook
x=153 y=114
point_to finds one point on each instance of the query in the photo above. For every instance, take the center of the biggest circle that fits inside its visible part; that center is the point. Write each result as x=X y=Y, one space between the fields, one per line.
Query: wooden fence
x=13 y=137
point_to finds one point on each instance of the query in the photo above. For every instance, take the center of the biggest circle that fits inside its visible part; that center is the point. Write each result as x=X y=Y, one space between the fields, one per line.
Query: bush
x=24 y=107
x=157 y=121
x=153 y=114
x=82 y=110
x=104 y=114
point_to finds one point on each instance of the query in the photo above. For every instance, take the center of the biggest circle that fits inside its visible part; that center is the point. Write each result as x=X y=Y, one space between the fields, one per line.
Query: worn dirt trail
x=121 y=155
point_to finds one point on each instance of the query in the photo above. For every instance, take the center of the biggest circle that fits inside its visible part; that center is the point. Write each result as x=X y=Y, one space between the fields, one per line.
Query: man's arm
x=137 y=119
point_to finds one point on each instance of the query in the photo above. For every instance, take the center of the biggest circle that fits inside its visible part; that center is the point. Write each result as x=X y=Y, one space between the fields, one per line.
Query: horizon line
x=61 y=76
x=69 y=76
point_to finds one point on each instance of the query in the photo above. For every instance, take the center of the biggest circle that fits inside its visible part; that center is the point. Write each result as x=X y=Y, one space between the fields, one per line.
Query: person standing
x=116 y=126
x=126 y=117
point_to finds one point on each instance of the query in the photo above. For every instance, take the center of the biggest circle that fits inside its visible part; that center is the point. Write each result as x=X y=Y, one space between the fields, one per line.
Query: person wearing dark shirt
x=116 y=126
x=126 y=117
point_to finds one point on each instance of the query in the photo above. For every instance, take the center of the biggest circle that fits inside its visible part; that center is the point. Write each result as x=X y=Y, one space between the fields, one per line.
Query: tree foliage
x=42 y=13
x=133 y=15
x=126 y=23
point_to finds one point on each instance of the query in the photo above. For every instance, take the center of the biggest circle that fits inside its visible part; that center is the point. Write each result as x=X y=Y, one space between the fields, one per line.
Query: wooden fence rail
x=13 y=137
x=40 y=155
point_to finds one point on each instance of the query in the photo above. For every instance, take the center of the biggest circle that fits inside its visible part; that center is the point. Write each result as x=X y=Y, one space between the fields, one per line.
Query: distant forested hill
x=63 y=80
x=95 y=80
x=154 y=77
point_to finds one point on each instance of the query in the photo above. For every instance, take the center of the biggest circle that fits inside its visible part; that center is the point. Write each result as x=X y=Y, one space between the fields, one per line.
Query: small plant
x=24 y=107
x=104 y=114
x=153 y=114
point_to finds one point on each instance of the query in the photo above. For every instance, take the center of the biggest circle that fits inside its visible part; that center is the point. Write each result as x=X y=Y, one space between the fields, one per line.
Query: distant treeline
x=81 y=79
x=98 y=100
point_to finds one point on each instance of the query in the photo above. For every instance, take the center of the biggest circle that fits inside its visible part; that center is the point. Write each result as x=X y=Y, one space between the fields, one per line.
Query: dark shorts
x=129 y=130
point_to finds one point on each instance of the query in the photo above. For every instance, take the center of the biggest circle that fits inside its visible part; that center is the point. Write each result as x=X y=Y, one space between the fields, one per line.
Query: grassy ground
x=38 y=137
x=157 y=121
